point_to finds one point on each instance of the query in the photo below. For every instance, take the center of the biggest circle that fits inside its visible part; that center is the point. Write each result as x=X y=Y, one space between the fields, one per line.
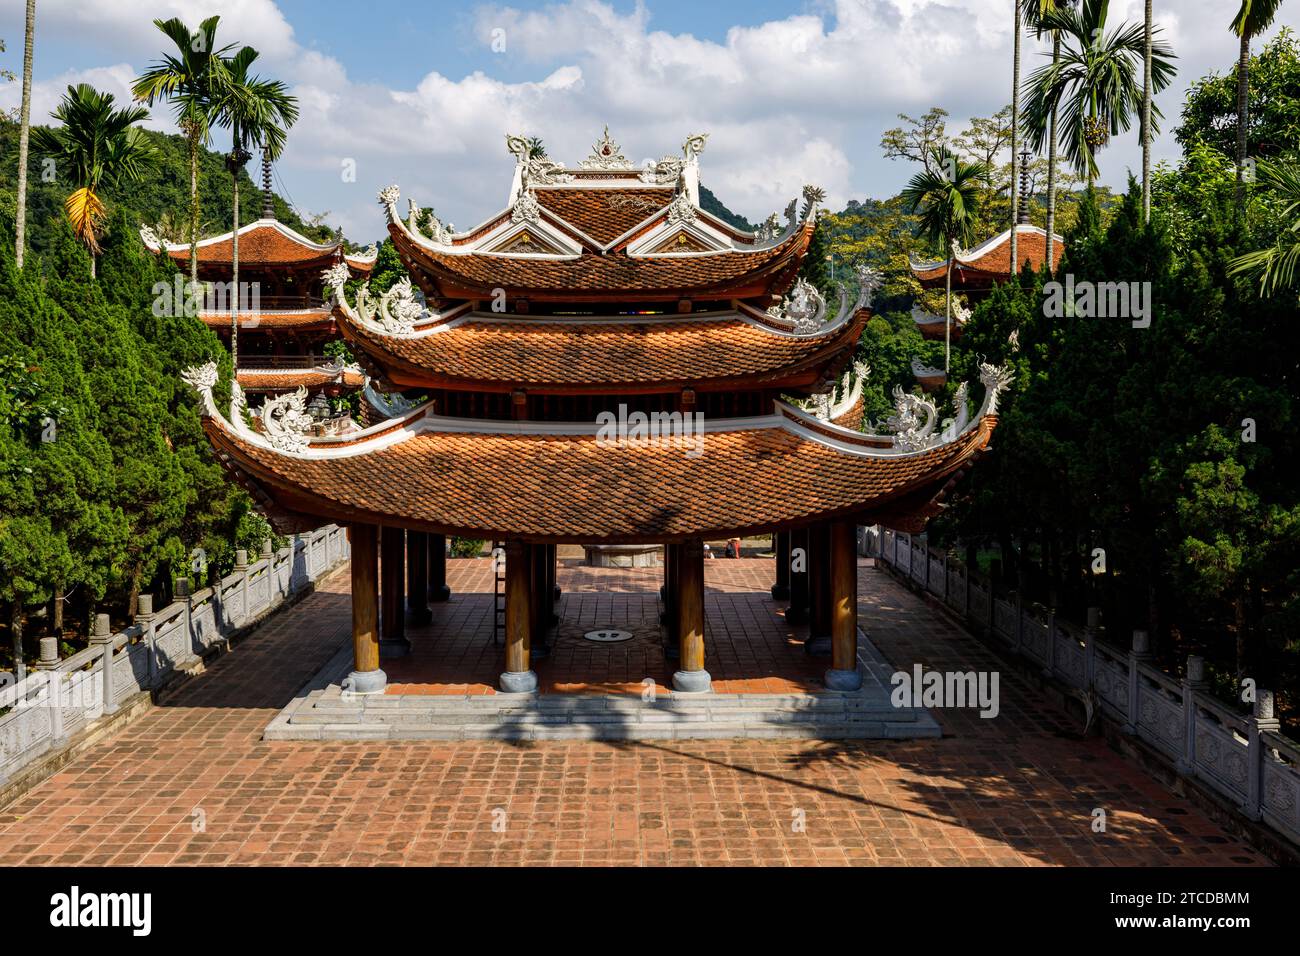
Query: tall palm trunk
x=234 y=256
x=24 y=131
x=947 y=312
x=194 y=203
x=1243 y=67
x=1051 y=163
x=1146 y=116
x=1015 y=132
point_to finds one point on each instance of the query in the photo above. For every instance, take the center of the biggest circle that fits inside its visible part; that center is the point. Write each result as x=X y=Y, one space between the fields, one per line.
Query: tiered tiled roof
x=448 y=274
x=565 y=482
x=710 y=350
x=265 y=242
x=990 y=262
x=317 y=319
x=601 y=232
x=617 y=286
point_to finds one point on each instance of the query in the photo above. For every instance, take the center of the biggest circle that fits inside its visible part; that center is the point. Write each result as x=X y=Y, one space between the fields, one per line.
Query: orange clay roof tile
x=576 y=488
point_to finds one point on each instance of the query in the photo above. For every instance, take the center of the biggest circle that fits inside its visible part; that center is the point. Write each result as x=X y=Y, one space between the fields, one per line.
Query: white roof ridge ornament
x=606 y=154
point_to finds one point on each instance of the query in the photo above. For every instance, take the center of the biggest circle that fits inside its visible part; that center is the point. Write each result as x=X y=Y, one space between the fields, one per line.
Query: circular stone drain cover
x=608 y=636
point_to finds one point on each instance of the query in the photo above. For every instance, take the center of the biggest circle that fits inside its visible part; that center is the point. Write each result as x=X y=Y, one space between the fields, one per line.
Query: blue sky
x=414 y=93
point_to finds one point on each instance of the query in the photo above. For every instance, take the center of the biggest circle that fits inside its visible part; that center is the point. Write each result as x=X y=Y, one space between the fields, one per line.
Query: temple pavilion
x=284 y=316
x=603 y=360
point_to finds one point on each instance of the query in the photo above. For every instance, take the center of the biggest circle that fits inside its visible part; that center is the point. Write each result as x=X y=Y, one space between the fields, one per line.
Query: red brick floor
x=750 y=647
x=1016 y=790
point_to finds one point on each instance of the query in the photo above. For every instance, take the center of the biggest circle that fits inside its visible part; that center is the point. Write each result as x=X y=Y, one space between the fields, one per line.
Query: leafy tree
x=192 y=79
x=1276 y=266
x=946 y=199
x=1210 y=114
x=257 y=112
x=1094 y=82
x=1036 y=12
x=1252 y=19
x=96 y=143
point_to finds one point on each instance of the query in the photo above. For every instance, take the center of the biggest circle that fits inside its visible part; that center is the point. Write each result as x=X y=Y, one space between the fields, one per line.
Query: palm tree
x=1251 y=20
x=1035 y=12
x=1015 y=136
x=24 y=132
x=1278 y=266
x=1094 y=83
x=192 y=81
x=256 y=112
x=96 y=145
x=947 y=196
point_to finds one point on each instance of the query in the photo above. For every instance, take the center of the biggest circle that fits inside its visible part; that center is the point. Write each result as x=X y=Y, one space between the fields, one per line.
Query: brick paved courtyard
x=1019 y=789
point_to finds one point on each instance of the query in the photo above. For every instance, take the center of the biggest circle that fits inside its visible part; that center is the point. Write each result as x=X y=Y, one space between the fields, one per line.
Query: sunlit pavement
x=191 y=782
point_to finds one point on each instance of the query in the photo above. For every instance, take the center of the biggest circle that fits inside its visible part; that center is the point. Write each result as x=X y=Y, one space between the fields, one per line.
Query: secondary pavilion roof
x=565 y=482
x=599 y=231
x=977 y=269
x=264 y=243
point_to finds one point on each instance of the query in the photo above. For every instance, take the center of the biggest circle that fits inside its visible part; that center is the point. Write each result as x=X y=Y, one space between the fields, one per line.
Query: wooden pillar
x=366 y=677
x=843 y=674
x=518 y=676
x=672 y=564
x=819 y=590
x=781 y=544
x=437 y=590
x=392 y=570
x=552 y=589
x=691 y=677
x=417 y=577
x=538 y=601
x=797 y=612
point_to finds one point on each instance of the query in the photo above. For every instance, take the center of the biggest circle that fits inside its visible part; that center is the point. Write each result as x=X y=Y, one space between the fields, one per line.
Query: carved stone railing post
x=1193 y=683
x=183 y=597
x=268 y=556
x=1263 y=720
x=1139 y=654
x=1049 y=652
x=144 y=618
x=241 y=568
x=49 y=666
x=1090 y=648
x=102 y=637
x=965 y=603
x=1020 y=613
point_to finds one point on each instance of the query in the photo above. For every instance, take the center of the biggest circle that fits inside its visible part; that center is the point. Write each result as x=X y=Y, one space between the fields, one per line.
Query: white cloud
x=799 y=99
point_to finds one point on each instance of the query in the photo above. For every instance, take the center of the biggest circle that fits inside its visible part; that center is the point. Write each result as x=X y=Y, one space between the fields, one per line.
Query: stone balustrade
x=63 y=697
x=1242 y=757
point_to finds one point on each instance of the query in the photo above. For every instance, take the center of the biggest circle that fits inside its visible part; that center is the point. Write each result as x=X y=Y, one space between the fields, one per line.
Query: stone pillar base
x=818 y=646
x=780 y=592
x=440 y=594
x=421 y=616
x=842 y=680
x=692 y=682
x=365 y=682
x=394 y=647
x=518 y=682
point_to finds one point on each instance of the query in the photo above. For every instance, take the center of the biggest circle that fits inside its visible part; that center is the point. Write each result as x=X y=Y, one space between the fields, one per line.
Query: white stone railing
x=62 y=697
x=1242 y=757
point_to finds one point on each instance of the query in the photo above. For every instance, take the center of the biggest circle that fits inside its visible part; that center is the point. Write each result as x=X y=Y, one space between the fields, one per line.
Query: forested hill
x=161 y=199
